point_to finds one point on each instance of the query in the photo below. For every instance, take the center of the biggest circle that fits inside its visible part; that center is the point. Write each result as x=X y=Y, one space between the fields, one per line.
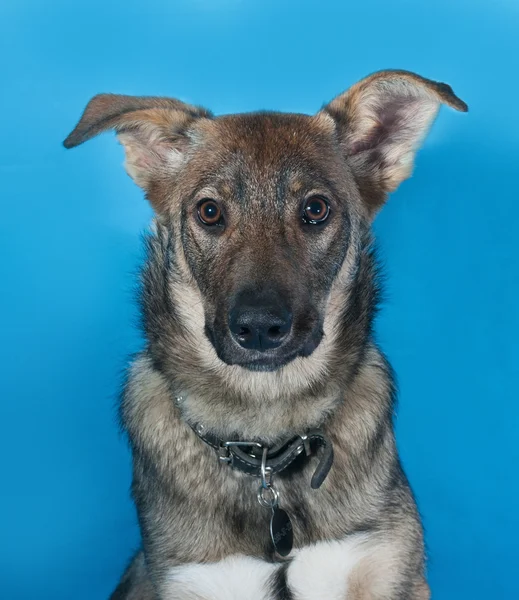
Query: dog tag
x=281 y=531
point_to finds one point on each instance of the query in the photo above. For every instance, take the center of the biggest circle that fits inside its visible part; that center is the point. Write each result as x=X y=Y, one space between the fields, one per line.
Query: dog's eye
x=209 y=212
x=316 y=210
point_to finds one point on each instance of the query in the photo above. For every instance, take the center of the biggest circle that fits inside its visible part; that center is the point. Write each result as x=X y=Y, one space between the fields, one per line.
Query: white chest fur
x=336 y=570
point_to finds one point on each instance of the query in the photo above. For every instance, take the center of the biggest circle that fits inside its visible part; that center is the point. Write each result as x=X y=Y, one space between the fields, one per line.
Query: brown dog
x=260 y=411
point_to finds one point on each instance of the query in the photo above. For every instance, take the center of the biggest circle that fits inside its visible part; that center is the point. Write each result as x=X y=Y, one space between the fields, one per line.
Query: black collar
x=246 y=456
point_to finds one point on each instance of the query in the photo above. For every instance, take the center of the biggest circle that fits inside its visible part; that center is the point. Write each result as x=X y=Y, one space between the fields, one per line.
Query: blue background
x=69 y=249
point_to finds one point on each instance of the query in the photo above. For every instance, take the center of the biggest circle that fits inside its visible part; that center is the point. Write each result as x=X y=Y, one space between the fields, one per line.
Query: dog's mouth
x=267 y=360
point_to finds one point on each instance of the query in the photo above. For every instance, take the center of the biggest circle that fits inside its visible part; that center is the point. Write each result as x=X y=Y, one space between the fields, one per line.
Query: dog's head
x=265 y=208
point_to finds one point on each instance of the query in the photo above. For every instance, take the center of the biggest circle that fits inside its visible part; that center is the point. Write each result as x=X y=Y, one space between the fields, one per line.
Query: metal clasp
x=266 y=472
x=258 y=445
x=306 y=444
x=268 y=496
x=223 y=454
x=223 y=451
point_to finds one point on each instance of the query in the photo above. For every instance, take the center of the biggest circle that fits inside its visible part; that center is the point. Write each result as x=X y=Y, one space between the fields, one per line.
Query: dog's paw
x=235 y=578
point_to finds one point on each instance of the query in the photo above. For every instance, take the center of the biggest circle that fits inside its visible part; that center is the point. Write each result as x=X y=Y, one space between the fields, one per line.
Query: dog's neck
x=268 y=414
x=230 y=401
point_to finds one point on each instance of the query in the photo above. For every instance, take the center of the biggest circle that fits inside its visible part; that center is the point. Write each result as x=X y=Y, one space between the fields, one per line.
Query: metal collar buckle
x=223 y=450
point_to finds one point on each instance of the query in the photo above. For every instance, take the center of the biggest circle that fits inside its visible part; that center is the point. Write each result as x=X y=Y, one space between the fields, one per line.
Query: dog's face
x=264 y=220
x=264 y=206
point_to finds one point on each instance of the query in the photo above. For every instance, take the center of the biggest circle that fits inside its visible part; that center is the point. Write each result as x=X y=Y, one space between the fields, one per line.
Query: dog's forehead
x=268 y=140
x=279 y=152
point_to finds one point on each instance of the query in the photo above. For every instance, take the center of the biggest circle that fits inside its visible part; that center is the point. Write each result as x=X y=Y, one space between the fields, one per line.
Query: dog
x=260 y=412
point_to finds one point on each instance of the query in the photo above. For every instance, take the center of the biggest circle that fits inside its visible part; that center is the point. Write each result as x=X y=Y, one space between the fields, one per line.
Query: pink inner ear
x=392 y=118
x=148 y=153
x=153 y=157
x=144 y=149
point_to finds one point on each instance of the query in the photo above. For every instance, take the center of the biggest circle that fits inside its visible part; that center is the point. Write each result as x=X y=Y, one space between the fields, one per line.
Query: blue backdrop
x=69 y=241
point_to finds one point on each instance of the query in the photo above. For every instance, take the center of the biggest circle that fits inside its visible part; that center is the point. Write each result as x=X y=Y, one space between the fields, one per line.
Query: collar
x=254 y=458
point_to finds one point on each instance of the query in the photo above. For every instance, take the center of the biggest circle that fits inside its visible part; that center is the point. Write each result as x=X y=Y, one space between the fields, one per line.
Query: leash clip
x=281 y=532
x=268 y=496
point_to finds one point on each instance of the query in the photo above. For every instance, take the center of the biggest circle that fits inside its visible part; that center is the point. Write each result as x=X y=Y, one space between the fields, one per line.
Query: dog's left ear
x=381 y=122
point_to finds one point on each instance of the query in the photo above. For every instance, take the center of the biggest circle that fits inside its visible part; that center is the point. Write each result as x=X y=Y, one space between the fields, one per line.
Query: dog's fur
x=204 y=534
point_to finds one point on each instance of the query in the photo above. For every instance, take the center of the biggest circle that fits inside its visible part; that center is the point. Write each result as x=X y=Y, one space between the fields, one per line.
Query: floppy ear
x=381 y=121
x=151 y=129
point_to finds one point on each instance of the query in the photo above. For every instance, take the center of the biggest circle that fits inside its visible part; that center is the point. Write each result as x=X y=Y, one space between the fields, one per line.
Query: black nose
x=259 y=322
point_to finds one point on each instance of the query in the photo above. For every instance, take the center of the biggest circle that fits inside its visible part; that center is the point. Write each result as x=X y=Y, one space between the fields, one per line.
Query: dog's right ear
x=151 y=129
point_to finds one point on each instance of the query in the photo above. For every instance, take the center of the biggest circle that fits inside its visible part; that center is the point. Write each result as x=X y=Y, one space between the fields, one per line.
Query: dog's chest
x=212 y=511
